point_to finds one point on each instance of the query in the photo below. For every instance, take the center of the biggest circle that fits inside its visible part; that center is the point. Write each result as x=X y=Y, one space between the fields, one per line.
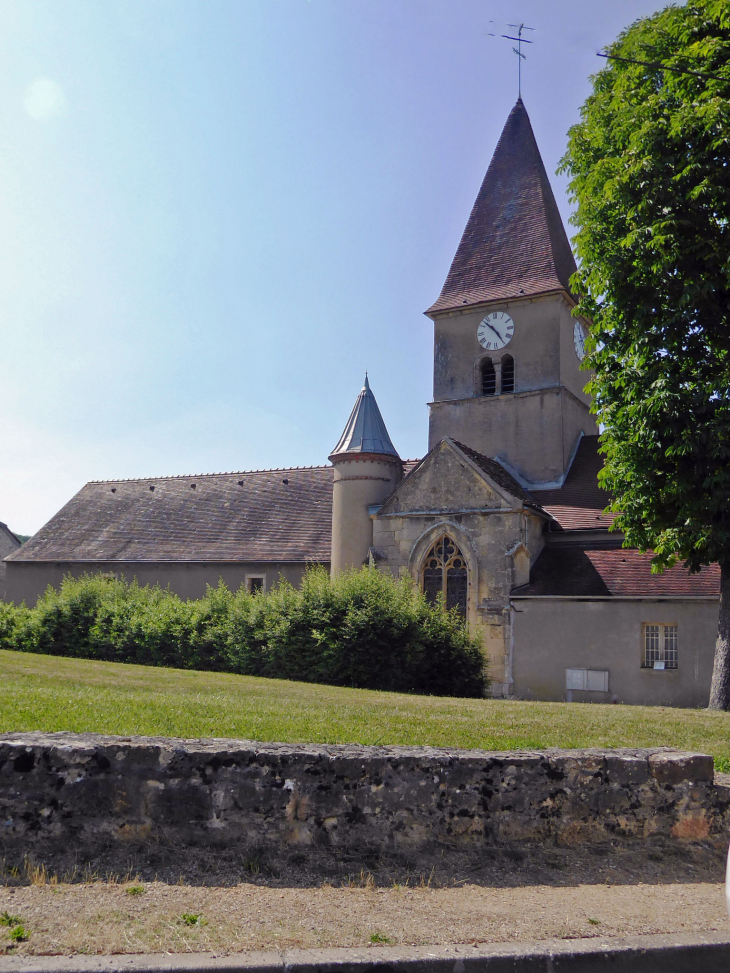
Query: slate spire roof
x=365 y=431
x=514 y=243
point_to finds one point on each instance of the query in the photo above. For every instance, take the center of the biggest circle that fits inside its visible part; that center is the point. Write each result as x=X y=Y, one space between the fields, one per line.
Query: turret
x=367 y=470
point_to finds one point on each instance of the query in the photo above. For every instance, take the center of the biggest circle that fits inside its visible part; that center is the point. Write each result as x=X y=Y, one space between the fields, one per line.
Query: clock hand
x=495 y=331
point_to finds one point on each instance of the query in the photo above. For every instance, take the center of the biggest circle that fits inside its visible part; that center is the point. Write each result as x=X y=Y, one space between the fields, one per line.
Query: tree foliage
x=649 y=165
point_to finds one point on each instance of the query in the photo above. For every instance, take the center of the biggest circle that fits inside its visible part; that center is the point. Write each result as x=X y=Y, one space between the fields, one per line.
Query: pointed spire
x=514 y=243
x=365 y=431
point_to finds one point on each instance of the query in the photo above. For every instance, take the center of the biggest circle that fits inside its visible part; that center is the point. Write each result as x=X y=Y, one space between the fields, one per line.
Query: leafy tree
x=650 y=172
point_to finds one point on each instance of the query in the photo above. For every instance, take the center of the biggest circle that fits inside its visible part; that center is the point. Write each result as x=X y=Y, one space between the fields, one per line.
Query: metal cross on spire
x=518 y=50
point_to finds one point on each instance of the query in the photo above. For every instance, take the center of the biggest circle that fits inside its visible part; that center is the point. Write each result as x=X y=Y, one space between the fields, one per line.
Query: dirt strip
x=155 y=917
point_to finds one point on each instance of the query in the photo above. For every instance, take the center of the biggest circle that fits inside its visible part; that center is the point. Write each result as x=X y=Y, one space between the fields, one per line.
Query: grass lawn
x=40 y=692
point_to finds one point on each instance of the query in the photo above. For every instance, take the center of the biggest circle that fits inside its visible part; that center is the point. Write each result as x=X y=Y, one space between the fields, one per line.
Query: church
x=504 y=516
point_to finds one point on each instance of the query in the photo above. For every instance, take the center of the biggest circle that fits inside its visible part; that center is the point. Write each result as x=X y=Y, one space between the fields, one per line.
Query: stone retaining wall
x=64 y=791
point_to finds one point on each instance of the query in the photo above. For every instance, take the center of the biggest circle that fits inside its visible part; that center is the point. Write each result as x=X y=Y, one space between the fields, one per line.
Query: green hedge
x=364 y=629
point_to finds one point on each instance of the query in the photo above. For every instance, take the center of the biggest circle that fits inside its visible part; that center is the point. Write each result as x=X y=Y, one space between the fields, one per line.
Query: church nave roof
x=267 y=515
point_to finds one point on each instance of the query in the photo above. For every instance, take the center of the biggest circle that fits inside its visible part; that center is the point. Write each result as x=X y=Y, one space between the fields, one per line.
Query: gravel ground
x=103 y=917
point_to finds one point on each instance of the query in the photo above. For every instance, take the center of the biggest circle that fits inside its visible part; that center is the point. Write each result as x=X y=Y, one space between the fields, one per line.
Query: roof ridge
x=198 y=476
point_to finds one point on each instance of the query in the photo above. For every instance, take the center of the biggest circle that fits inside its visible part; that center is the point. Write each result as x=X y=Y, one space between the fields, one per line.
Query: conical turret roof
x=365 y=431
x=514 y=243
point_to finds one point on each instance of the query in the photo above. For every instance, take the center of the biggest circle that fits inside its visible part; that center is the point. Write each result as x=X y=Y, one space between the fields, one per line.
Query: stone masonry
x=497 y=533
x=60 y=791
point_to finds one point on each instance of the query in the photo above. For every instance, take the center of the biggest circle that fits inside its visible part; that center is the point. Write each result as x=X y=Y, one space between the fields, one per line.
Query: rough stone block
x=626 y=768
x=692 y=824
x=674 y=767
x=576 y=765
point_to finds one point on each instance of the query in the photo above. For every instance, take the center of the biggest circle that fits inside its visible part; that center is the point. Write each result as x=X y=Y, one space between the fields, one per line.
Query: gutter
x=614 y=598
x=673 y=953
x=162 y=560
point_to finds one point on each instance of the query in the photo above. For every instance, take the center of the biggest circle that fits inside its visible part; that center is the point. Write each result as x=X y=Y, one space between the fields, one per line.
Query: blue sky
x=216 y=216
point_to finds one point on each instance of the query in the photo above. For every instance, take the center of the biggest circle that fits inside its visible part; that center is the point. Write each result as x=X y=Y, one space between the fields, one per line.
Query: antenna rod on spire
x=517 y=50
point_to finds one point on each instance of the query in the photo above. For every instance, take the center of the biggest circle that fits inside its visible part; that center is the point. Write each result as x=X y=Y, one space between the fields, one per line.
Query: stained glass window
x=445 y=572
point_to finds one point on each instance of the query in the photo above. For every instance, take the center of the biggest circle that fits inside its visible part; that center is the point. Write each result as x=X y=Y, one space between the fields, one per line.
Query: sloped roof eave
x=315 y=559
x=504 y=483
x=441 y=309
x=610 y=572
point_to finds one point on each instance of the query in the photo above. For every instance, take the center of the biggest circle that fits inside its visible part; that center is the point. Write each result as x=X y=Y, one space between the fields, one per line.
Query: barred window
x=660 y=647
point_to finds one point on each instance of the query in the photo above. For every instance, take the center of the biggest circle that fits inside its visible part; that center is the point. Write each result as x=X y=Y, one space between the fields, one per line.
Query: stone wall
x=497 y=534
x=64 y=793
x=28 y=580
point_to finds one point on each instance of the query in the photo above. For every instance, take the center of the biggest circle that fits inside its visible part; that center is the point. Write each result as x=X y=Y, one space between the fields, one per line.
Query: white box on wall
x=591 y=680
x=575 y=678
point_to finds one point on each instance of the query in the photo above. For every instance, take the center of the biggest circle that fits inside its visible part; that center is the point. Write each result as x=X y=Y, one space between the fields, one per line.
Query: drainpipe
x=510 y=652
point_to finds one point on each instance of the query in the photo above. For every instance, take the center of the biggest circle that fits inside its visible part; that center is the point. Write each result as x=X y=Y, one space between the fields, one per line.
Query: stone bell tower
x=507 y=350
x=367 y=470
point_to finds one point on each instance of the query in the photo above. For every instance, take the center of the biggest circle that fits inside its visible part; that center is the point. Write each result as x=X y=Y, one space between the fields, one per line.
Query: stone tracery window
x=445 y=572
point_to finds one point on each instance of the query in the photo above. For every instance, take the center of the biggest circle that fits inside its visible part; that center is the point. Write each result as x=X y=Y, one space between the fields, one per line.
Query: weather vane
x=518 y=50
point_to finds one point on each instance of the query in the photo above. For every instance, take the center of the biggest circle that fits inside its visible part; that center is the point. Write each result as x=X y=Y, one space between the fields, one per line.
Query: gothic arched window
x=508 y=373
x=488 y=377
x=445 y=572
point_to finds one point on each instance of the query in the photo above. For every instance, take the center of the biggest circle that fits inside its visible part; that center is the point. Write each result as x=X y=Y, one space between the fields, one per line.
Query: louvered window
x=489 y=378
x=508 y=374
x=445 y=573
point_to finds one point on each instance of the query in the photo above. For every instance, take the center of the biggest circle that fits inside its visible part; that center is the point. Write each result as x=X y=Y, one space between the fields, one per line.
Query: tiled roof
x=496 y=472
x=595 y=571
x=8 y=536
x=580 y=502
x=365 y=431
x=272 y=515
x=514 y=243
x=265 y=515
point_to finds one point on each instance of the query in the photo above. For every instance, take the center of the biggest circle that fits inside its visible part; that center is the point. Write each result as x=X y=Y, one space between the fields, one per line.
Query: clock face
x=579 y=340
x=495 y=330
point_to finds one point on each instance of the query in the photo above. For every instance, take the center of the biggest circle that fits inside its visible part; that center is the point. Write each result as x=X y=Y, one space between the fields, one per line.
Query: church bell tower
x=507 y=350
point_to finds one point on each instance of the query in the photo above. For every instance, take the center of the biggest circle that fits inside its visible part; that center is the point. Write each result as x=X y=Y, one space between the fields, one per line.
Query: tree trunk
x=720 y=688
